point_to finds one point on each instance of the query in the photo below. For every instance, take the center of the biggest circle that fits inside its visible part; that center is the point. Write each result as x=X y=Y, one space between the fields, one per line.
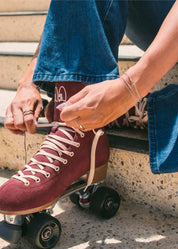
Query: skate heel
x=100 y=173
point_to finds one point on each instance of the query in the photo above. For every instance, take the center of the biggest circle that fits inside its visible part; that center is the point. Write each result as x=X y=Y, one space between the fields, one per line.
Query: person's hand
x=97 y=105
x=24 y=110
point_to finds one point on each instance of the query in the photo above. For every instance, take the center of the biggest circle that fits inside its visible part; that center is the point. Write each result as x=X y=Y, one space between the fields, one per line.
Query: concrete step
x=134 y=226
x=128 y=168
x=23 y=5
x=22 y=26
x=16 y=56
x=26 y=25
x=126 y=41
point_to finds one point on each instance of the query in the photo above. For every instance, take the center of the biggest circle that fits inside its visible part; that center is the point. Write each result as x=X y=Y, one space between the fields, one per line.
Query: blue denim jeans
x=163 y=130
x=80 y=43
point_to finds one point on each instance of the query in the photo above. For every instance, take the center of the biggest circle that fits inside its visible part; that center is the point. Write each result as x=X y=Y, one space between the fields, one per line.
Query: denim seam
x=86 y=75
x=152 y=134
x=107 y=12
x=72 y=77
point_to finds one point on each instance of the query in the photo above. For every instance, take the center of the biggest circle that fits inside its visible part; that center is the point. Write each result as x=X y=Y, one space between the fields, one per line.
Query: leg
x=163 y=130
x=145 y=19
x=65 y=155
x=79 y=43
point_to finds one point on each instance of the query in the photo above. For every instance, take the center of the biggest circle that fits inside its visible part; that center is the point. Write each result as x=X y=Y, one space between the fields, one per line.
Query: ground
x=134 y=227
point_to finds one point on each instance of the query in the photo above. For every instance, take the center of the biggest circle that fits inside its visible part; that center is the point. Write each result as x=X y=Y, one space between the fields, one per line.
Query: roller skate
x=70 y=162
x=136 y=117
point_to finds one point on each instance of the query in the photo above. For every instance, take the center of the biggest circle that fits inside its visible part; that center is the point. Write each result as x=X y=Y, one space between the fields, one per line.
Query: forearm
x=26 y=98
x=160 y=57
x=29 y=73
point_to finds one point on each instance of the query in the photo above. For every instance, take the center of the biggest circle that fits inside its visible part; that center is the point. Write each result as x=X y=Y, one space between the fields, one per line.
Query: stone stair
x=23 y=5
x=21 y=25
x=22 y=20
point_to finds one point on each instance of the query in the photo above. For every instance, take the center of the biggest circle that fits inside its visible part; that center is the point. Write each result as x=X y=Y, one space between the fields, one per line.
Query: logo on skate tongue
x=60 y=94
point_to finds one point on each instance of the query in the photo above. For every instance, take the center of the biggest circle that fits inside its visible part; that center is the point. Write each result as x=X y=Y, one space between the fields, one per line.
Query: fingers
x=71 y=112
x=78 y=96
x=76 y=124
x=18 y=122
x=18 y=118
x=22 y=113
x=9 y=120
x=74 y=106
x=38 y=109
x=29 y=122
x=85 y=124
x=9 y=123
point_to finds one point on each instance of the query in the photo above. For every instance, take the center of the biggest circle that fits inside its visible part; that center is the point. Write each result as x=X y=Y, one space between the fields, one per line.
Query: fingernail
x=60 y=105
x=20 y=134
x=36 y=122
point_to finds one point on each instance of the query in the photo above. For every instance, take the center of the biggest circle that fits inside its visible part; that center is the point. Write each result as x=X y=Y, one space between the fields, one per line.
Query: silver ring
x=27 y=112
x=82 y=128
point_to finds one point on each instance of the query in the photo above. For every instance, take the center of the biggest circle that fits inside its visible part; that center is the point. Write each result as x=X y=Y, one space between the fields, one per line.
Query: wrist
x=130 y=84
x=142 y=78
x=27 y=83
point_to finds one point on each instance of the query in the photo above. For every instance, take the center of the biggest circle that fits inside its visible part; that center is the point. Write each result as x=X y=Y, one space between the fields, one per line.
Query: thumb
x=73 y=107
x=78 y=96
x=71 y=111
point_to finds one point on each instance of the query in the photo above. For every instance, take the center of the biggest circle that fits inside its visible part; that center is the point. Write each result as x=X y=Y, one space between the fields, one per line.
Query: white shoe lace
x=58 y=144
x=140 y=117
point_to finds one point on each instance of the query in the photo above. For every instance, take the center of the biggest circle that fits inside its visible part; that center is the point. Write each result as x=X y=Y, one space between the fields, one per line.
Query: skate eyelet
x=78 y=145
x=47 y=175
x=72 y=154
x=82 y=135
x=27 y=183
x=65 y=161
x=57 y=169
x=37 y=180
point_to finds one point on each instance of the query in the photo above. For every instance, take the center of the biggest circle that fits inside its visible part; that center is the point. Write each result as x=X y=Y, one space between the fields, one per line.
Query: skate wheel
x=42 y=231
x=81 y=198
x=105 y=202
x=74 y=198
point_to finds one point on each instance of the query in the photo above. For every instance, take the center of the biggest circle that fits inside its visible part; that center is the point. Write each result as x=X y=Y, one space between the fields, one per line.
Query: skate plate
x=43 y=231
x=12 y=225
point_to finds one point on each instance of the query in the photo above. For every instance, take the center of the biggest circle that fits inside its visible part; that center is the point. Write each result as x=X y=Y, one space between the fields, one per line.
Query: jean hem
x=90 y=79
x=152 y=136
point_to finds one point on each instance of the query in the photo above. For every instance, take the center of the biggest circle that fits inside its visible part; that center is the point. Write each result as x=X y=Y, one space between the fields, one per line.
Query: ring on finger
x=27 y=112
x=78 y=125
x=81 y=127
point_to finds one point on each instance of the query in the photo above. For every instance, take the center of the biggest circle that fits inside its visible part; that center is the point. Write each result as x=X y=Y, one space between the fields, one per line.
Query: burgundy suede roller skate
x=69 y=160
x=136 y=117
